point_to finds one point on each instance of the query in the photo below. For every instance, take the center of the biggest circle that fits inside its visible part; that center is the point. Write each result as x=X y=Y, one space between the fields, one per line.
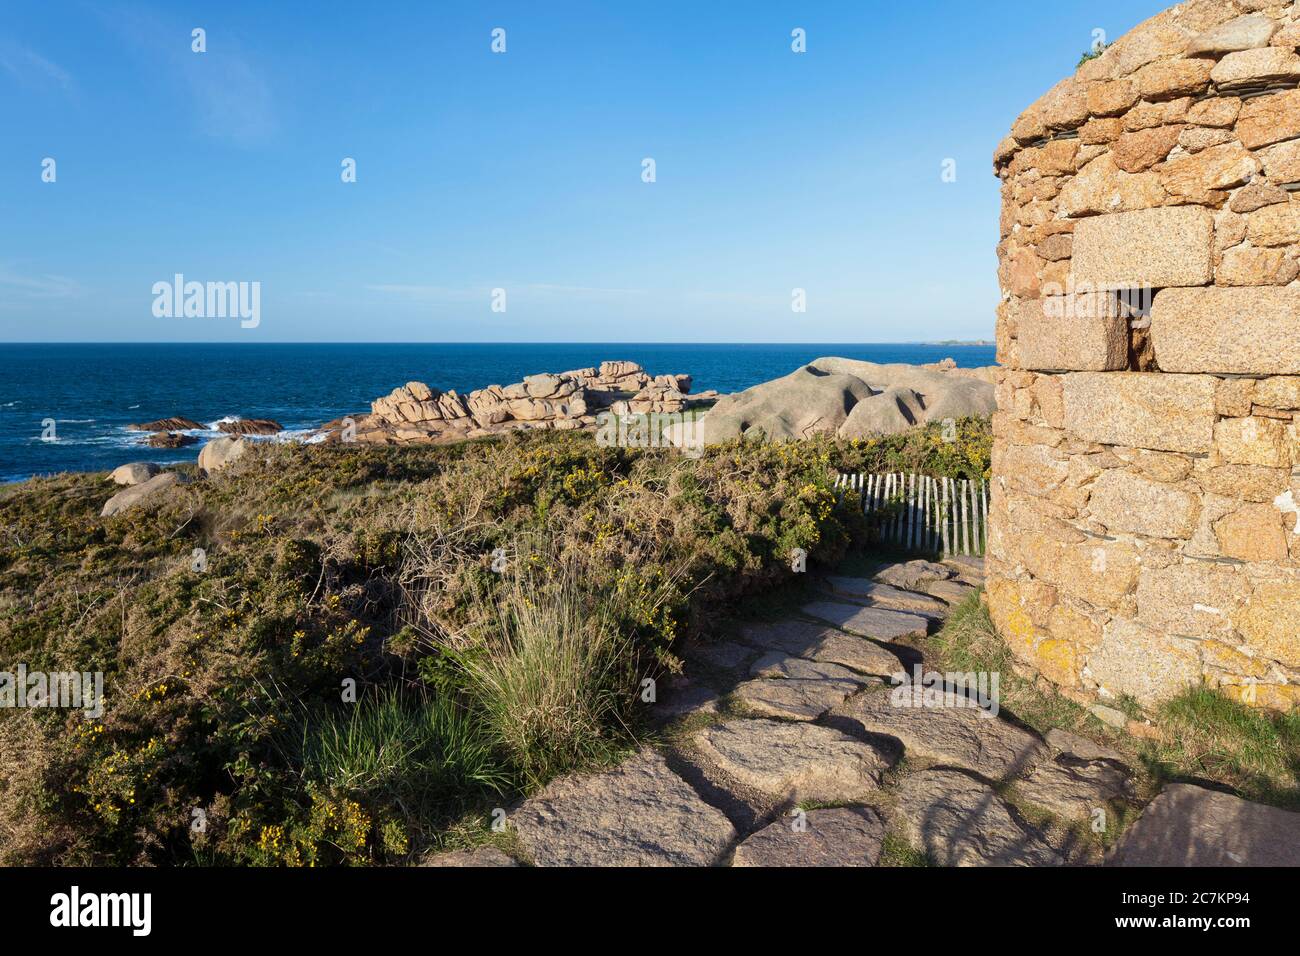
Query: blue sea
x=93 y=391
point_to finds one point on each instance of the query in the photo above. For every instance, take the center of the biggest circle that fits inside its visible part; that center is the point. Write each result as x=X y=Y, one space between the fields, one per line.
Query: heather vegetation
x=383 y=644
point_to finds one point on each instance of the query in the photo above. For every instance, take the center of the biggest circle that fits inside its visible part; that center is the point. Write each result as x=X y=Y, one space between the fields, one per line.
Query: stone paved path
x=798 y=750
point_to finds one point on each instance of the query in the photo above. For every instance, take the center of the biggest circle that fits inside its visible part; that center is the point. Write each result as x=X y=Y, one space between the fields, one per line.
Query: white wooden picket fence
x=941 y=515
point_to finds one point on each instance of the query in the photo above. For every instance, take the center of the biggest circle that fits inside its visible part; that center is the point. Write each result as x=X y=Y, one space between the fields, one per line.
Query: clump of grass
x=554 y=677
x=897 y=851
x=1092 y=54
x=968 y=640
x=401 y=749
x=1211 y=736
x=382 y=777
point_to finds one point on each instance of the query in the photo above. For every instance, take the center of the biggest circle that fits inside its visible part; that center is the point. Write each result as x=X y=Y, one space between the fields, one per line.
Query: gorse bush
x=226 y=737
x=961 y=448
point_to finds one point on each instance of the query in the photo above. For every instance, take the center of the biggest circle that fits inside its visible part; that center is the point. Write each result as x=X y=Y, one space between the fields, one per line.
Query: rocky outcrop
x=987 y=373
x=1192 y=826
x=138 y=494
x=166 y=425
x=250 y=426
x=1144 y=517
x=848 y=398
x=220 y=452
x=418 y=413
x=135 y=473
x=855 y=399
x=170 y=440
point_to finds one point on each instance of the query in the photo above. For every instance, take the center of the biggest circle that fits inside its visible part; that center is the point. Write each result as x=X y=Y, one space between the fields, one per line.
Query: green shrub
x=328 y=563
x=1092 y=54
x=960 y=449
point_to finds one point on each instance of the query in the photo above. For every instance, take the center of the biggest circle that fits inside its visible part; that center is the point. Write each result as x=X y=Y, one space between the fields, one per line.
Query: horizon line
x=950 y=342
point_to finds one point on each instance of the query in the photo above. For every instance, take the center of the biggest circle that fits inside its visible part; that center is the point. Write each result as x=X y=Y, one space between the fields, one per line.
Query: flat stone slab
x=933 y=617
x=887 y=596
x=483 y=856
x=684 y=697
x=638 y=814
x=797 y=699
x=843 y=836
x=968 y=568
x=725 y=656
x=1074 y=788
x=913 y=575
x=817 y=642
x=957 y=736
x=960 y=821
x=1191 y=826
x=875 y=622
x=951 y=592
x=778 y=664
x=1063 y=741
x=794 y=762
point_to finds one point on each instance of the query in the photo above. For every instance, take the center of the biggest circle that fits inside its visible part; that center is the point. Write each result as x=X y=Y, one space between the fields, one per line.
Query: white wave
x=117 y=441
x=304 y=436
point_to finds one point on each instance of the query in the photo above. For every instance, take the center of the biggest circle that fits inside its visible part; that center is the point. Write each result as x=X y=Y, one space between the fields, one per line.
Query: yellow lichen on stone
x=1058 y=661
x=1270 y=621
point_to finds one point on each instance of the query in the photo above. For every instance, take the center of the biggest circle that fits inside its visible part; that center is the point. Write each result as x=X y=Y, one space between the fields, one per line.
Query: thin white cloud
x=233 y=100
x=37 y=286
x=33 y=70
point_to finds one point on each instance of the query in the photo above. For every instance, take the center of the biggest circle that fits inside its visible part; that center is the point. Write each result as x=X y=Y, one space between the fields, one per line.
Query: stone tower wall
x=1144 y=531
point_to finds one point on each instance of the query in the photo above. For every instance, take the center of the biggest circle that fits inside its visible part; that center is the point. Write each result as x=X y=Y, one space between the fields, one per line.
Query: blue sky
x=521 y=170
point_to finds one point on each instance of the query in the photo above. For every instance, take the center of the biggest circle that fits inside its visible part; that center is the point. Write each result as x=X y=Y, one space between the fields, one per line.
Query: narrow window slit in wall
x=1134 y=305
